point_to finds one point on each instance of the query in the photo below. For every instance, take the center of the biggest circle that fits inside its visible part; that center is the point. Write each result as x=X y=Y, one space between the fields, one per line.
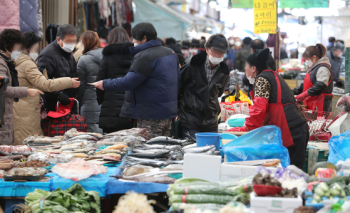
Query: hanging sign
x=265 y=16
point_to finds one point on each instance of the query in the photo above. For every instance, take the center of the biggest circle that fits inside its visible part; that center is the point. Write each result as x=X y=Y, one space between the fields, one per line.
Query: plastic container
x=236 y=122
x=208 y=138
x=262 y=190
x=274 y=204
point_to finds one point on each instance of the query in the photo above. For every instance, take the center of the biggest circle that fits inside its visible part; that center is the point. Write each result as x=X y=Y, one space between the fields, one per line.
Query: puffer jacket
x=152 y=83
x=336 y=63
x=199 y=107
x=6 y=131
x=26 y=112
x=57 y=63
x=88 y=66
x=115 y=63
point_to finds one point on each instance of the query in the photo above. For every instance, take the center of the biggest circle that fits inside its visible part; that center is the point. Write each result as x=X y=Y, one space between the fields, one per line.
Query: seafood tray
x=26 y=178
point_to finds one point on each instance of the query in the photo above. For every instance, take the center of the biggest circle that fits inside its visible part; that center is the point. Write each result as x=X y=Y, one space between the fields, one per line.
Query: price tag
x=265 y=16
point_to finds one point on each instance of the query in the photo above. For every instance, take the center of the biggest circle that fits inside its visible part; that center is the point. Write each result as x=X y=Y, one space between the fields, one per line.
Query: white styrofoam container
x=206 y=167
x=229 y=172
x=274 y=204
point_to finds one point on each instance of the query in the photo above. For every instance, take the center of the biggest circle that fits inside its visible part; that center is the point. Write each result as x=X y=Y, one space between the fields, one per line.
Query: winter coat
x=26 y=112
x=151 y=84
x=6 y=131
x=174 y=47
x=10 y=13
x=336 y=63
x=199 y=107
x=115 y=63
x=88 y=67
x=57 y=63
x=240 y=58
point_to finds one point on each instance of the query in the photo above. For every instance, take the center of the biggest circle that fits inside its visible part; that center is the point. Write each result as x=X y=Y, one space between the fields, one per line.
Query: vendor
x=274 y=104
x=318 y=85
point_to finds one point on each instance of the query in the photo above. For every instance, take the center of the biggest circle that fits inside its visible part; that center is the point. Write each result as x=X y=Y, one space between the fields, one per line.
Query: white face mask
x=68 y=47
x=309 y=63
x=251 y=80
x=33 y=56
x=231 y=42
x=340 y=55
x=135 y=44
x=15 y=55
x=214 y=60
x=238 y=43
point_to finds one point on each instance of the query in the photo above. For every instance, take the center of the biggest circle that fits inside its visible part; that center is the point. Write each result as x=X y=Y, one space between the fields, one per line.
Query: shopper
x=10 y=45
x=171 y=43
x=335 y=56
x=274 y=104
x=88 y=66
x=241 y=56
x=231 y=53
x=57 y=61
x=318 y=84
x=203 y=80
x=115 y=63
x=331 y=42
x=151 y=84
x=26 y=112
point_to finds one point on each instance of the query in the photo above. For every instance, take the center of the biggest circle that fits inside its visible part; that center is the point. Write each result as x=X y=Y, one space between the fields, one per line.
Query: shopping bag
x=259 y=144
x=339 y=147
x=59 y=126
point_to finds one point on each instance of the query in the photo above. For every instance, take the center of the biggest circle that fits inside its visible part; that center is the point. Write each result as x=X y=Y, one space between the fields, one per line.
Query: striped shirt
x=210 y=71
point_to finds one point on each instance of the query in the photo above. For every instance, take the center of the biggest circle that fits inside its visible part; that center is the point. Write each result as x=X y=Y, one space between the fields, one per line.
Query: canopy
x=167 y=21
x=284 y=3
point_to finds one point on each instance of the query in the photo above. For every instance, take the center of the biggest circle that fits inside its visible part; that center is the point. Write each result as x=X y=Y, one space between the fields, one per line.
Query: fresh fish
x=155 y=146
x=150 y=150
x=165 y=140
x=176 y=162
x=84 y=137
x=190 y=146
x=152 y=179
x=217 y=153
x=150 y=155
x=211 y=151
x=199 y=149
x=129 y=163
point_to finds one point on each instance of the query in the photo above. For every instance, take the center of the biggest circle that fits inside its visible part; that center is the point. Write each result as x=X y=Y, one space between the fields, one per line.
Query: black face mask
x=13 y=72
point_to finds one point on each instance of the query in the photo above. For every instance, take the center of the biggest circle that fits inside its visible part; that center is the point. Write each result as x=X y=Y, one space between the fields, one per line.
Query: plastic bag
x=339 y=147
x=212 y=189
x=200 y=198
x=259 y=144
x=198 y=206
x=344 y=103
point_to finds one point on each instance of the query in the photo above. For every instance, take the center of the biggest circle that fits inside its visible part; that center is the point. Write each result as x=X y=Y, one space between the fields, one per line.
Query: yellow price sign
x=265 y=16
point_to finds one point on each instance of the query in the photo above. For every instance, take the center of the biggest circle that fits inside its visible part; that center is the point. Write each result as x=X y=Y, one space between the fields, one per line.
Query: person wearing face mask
x=151 y=84
x=10 y=45
x=335 y=55
x=231 y=53
x=241 y=56
x=203 y=80
x=58 y=61
x=26 y=112
x=318 y=85
x=274 y=104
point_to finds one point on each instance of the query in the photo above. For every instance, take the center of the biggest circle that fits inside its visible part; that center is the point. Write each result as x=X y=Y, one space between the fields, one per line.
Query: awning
x=284 y=3
x=167 y=21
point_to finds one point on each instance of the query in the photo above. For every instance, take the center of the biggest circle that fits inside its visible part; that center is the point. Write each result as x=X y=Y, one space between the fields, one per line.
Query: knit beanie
x=259 y=58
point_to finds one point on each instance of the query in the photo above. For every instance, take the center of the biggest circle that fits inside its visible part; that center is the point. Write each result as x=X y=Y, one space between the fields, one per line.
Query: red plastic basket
x=318 y=122
x=262 y=190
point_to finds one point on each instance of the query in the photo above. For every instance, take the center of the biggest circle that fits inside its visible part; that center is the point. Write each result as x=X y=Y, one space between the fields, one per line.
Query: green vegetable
x=200 y=198
x=335 y=192
x=213 y=189
x=343 y=193
x=323 y=186
x=200 y=206
x=189 y=180
x=327 y=194
x=322 y=165
x=312 y=178
x=317 y=198
x=314 y=201
x=319 y=191
x=340 y=179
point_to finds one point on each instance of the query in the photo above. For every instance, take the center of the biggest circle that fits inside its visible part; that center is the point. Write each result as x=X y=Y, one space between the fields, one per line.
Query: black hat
x=259 y=58
x=339 y=46
x=217 y=42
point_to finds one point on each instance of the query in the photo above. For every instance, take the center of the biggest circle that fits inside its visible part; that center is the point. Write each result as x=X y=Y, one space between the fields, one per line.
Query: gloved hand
x=239 y=129
x=302 y=96
x=257 y=113
x=63 y=99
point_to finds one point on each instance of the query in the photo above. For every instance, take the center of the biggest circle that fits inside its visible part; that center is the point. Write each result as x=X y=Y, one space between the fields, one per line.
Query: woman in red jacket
x=274 y=104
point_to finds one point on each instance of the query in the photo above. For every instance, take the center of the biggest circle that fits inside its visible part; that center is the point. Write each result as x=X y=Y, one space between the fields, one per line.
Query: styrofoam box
x=230 y=172
x=274 y=204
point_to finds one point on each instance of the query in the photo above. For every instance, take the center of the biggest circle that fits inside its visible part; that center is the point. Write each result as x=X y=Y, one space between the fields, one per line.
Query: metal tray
x=27 y=178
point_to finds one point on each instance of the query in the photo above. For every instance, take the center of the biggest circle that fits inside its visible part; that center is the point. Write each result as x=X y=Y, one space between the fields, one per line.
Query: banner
x=265 y=16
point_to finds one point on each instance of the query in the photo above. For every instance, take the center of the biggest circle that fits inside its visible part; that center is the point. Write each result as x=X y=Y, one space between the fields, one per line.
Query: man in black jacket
x=57 y=61
x=203 y=80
